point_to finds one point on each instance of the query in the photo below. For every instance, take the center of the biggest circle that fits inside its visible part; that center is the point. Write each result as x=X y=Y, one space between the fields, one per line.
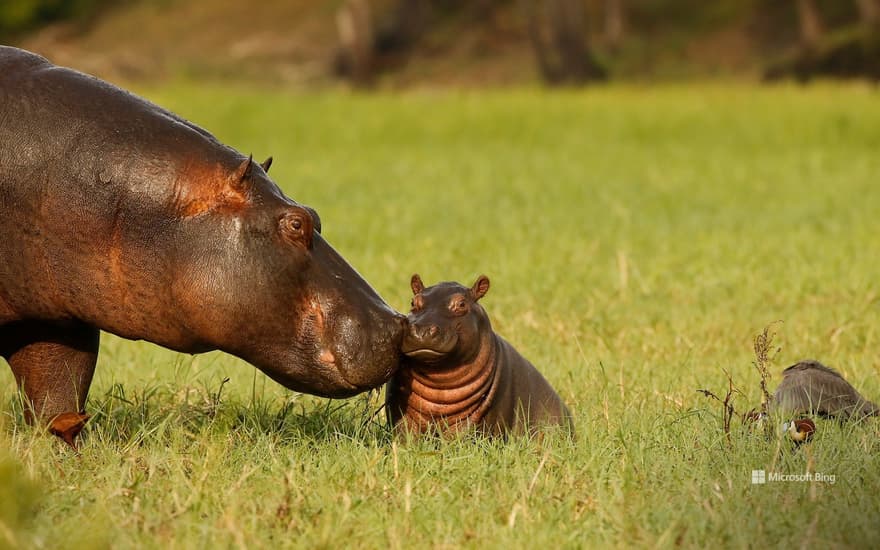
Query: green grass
x=636 y=238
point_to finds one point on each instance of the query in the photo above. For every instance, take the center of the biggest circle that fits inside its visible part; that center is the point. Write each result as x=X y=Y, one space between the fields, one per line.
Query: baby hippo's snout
x=423 y=333
x=425 y=341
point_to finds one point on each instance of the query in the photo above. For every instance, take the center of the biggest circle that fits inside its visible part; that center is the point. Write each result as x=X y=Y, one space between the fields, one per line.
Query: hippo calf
x=456 y=372
x=120 y=216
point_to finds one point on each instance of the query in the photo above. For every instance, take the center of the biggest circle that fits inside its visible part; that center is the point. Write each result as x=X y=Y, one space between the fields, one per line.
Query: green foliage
x=18 y=501
x=637 y=239
x=23 y=15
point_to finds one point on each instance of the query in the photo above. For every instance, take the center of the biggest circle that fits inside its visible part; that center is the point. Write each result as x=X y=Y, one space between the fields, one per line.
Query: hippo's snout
x=426 y=341
x=368 y=351
x=424 y=333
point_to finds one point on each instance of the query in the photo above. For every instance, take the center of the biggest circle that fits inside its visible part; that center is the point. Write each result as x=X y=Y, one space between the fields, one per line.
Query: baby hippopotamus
x=457 y=373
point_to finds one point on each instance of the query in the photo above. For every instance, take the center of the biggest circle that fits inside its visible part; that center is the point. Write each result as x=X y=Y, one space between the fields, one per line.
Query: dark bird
x=809 y=387
x=800 y=431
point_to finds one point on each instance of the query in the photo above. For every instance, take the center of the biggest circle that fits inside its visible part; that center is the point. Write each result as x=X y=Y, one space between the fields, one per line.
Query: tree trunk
x=355 y=26
x=404 y=25
x=869 y=13
x=615 y=17
x=557 y=29
x=810 y=24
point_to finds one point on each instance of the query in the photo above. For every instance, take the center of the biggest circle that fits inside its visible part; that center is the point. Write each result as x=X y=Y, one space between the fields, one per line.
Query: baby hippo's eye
x=458 y=306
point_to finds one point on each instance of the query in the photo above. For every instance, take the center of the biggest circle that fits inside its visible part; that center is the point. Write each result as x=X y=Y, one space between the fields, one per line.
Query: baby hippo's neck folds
x=452 y=395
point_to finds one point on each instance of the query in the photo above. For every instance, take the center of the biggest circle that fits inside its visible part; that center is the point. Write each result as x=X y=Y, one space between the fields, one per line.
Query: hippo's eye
x=458 y=306
x=296 y=227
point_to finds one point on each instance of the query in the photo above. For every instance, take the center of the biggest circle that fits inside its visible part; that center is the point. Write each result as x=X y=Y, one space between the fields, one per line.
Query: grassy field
x=637 y=240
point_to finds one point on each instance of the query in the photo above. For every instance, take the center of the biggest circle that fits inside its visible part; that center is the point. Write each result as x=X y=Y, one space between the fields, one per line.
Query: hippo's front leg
x=53 y=364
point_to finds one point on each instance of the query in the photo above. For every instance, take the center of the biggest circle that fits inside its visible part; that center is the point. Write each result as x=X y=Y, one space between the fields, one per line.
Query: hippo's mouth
x=424 y=354
x=349 y=383
x=429 y=350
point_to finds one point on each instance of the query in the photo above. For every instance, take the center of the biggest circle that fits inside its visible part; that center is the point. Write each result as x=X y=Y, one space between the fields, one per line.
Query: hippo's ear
x=242 y=176
x=266 y=164
x=416 y=284
x=480 y=288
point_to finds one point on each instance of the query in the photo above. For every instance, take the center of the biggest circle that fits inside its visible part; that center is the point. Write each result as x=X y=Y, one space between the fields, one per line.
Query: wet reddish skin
x=117 y=215
x=458 y=373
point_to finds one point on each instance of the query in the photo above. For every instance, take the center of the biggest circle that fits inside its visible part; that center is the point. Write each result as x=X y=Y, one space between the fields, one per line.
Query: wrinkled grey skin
x=449 y=331
x=118 y=215
x=809 y=387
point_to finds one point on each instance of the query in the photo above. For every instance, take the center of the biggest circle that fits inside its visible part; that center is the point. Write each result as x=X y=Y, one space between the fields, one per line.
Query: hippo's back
x=74 y=117
x=524 y=400
x=86 y=168
x=14 y=60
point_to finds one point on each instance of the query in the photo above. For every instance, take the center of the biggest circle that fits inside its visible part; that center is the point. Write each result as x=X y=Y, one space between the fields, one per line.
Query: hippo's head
x=272 y=291
x=446 y=325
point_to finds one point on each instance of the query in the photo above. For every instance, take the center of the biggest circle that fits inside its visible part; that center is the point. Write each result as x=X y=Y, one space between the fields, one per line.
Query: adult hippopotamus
x=118 y=215
x=457 y=373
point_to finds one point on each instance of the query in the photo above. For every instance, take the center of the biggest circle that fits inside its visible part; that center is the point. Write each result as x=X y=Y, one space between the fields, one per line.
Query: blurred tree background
x=472 y=42
x=18 y=16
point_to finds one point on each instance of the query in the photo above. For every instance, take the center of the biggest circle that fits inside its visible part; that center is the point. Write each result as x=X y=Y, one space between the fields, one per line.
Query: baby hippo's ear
x=416 y=284
x=480 y=288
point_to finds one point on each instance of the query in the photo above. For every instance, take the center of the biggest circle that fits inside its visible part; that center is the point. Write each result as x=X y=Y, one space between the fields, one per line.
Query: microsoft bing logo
x=760 y=477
